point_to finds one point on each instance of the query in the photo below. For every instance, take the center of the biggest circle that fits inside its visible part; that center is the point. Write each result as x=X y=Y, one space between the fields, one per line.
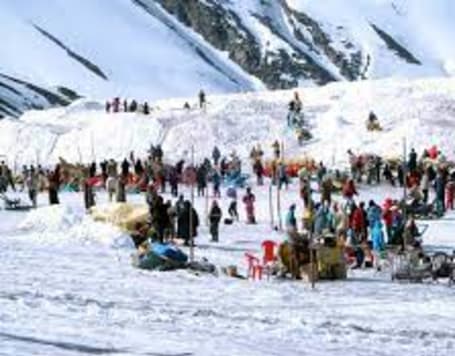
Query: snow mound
x=421 y=111
x=65 y=224
x=54 y=218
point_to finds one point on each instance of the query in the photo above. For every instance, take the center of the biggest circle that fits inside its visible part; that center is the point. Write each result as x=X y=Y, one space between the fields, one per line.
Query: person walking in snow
x=202 y=99
x=249 y=200
x=215 y=215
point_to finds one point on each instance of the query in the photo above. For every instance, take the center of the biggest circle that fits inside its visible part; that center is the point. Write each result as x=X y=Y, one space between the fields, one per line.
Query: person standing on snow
x=202 y=99
x=291 y=221
x=232 y=210
x=54 y=185
x=111 y=182
x=216 y=180
x=412 y=162
x=349 y=190
x=215 y=215
x=276 y=149
x=187 y=225
x=32 y=183
x=216 y=155
x=249 y=200
x=450 y=194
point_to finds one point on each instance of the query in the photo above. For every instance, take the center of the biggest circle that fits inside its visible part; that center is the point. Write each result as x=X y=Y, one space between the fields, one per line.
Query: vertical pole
x=312 y=261
x=272 y=222
x=207 y=190
x=192 y=207
x=405 y=193
x=278 y=202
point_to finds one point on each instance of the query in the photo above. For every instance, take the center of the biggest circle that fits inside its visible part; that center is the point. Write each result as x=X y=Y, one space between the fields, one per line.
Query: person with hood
x=249 y=200
x=377 y=237
x=374 y=213
x=215 y=215
x=187 y=223
x=216 y=155
x=291 y=221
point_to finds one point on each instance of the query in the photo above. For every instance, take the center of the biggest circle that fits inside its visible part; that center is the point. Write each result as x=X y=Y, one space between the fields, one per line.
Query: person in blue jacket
x=291 y=221
x=377 y=236
x=373 y=214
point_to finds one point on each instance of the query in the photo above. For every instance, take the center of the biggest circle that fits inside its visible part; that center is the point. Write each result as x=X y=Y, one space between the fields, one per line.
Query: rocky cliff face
x=232 y=45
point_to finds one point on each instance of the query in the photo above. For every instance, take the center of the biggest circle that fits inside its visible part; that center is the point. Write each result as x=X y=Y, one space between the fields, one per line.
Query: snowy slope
x=103 y=49
x=153 y=49
x=422 y=111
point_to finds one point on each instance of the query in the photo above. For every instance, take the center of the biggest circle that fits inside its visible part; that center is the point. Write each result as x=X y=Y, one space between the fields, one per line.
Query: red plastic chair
x=254 y=266
x=269 y=257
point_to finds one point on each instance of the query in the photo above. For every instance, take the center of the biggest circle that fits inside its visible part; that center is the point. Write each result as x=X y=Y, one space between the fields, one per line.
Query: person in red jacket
x=358 y=223
x=349 y=190
x=387 y=216
x=450 y=193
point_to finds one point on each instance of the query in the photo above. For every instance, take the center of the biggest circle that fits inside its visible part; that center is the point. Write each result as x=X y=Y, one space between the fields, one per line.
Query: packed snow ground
x=68 y=288
x=423 y=111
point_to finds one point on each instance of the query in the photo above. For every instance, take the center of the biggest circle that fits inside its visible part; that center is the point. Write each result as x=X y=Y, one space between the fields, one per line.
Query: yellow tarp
x=123 y=215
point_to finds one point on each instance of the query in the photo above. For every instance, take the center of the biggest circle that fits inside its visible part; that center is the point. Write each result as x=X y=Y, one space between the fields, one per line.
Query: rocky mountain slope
x=55 y=51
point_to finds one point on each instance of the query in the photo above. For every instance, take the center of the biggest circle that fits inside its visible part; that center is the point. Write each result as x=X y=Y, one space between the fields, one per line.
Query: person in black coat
x=160 y=217
x=184 y=230
x=92 y=170
x=412 y=163
x=215 y=215
x=125 y=168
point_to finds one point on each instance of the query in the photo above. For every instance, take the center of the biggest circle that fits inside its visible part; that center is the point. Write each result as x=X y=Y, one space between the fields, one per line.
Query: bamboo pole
x=191 y=208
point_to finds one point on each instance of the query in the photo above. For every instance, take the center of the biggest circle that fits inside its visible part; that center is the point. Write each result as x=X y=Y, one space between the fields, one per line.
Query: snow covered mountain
x=56 y=50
